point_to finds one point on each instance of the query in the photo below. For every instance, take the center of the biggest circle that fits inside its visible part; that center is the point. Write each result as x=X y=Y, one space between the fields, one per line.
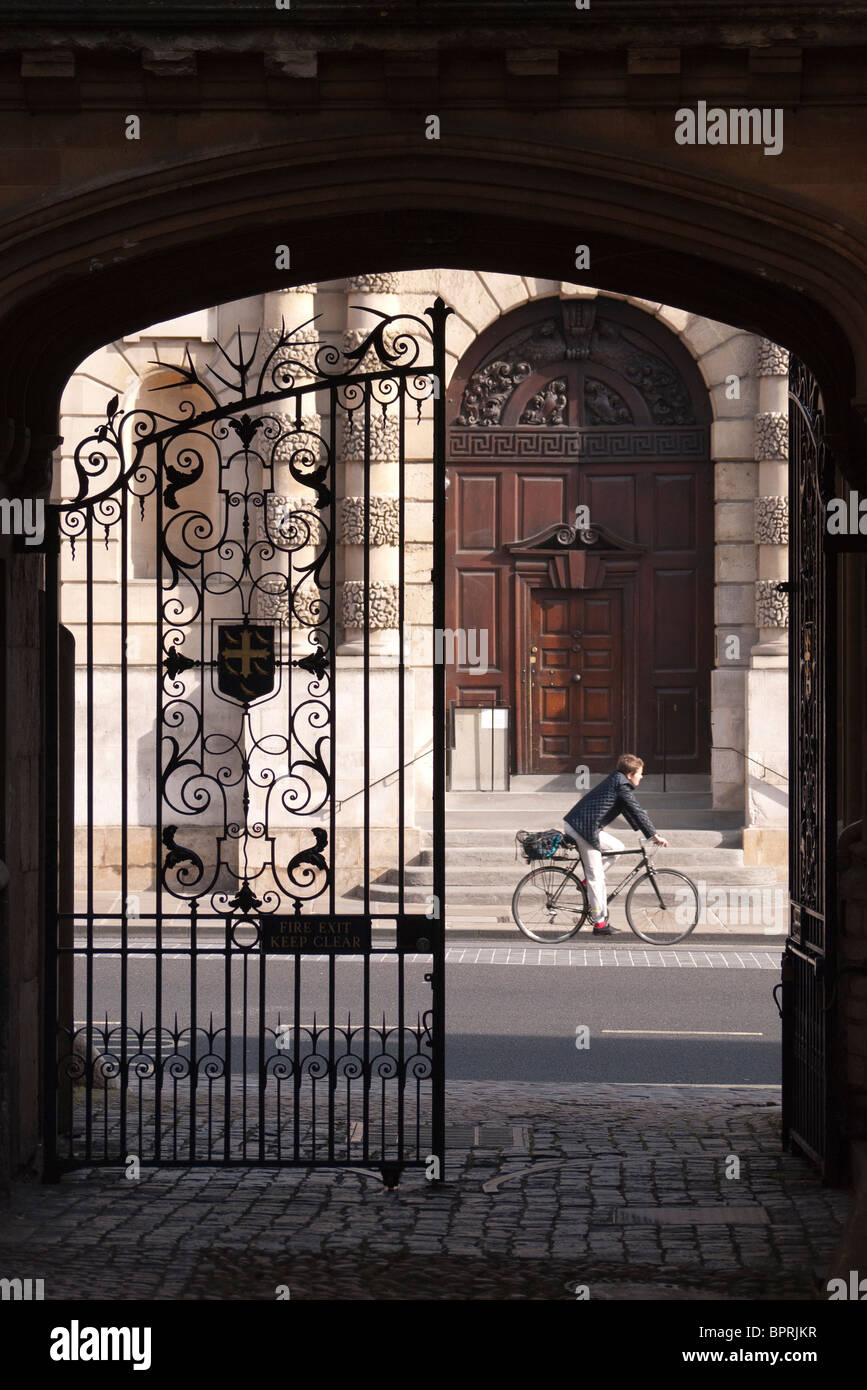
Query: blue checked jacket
x=615 y=796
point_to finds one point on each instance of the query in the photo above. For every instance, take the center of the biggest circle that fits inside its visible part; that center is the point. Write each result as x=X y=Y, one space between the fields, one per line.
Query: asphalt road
x=515 y=1022
x=643 y=1024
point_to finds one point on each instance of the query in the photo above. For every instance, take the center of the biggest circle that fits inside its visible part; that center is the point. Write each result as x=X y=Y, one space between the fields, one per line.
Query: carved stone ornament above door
x=561 y=535
x=634 y=382
x=575 y=559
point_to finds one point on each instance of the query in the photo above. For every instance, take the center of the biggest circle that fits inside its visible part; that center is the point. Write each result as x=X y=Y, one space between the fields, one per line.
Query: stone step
x=540 y=818
x=497 y=803
x=565 y=782
x=490 y=877
x=488 y=841
x=503 y=855
x=494 y=895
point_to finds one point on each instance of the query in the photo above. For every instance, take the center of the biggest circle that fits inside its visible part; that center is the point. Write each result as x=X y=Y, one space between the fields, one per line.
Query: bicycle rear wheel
x=662 y=906
x=538 y=916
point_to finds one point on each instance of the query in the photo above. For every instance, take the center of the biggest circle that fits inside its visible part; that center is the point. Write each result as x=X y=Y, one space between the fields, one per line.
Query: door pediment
x=561 y=536
x=575 y=559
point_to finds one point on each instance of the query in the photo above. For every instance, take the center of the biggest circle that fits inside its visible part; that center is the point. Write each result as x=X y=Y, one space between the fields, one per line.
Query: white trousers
x=594 y=869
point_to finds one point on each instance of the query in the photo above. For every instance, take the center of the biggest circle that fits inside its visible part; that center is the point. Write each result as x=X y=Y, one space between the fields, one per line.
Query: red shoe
x=603 y=929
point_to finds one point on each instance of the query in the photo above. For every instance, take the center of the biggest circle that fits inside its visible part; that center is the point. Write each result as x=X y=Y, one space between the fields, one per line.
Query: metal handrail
x=338 y=805
x=726 y=748
x=723 y=748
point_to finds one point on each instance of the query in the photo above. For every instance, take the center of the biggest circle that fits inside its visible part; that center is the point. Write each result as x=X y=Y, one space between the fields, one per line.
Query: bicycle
x=550 y=903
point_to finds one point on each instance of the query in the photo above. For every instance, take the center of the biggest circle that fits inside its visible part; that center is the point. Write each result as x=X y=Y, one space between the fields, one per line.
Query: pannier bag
x=542 y=844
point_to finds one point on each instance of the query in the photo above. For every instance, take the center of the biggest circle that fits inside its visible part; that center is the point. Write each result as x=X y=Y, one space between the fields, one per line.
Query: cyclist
x=615 y=796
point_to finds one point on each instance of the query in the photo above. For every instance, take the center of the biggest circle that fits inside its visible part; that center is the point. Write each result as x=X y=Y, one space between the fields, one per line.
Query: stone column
x=376 y=292
x=766 y=733
x=772 y=504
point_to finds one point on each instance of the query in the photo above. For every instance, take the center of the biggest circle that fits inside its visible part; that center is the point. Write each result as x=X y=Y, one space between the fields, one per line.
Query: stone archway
x=205 y=232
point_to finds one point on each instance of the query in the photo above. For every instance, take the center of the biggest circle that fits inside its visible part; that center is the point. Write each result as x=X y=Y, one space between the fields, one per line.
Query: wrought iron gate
x=221 y=988
x=808 y=961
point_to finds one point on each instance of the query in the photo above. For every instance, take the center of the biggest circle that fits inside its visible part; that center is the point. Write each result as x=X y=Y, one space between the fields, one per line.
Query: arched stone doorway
x=811 y=303
x=598 y=639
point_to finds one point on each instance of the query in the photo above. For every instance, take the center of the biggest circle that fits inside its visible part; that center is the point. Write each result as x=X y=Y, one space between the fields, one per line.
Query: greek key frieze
x=544 y=444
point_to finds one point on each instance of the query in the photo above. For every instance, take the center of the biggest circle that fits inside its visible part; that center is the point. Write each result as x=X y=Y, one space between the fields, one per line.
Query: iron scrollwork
x=223 y=438
x=232 y=717
x=810 y=463
x=808 y=1108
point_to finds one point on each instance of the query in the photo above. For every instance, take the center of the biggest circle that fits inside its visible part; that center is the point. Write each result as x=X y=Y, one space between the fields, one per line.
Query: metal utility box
x=479 y=754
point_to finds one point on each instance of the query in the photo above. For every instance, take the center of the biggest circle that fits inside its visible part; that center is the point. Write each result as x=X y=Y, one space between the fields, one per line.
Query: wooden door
x=576 y=680
x=589 y=403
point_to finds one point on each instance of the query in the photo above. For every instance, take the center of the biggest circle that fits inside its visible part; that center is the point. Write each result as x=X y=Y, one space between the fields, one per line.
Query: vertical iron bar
x=66 y=718
x=438 y=313
x=332 y=649
x=158 y=755
x=194 y=1064
x=296 y=1058
x=401 y=755
x=124 y=808
x=332 y=1061
x=262 y=1008
x=50 y=882
x=88 y=1123
x=366 y=772
x=245 y=961
x=227 y=1038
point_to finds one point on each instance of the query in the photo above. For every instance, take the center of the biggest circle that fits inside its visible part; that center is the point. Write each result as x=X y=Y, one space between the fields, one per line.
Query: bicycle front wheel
x=662 y=906
x=550 y=904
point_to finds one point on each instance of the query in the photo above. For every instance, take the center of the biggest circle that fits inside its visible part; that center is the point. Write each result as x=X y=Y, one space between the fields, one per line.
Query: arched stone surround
x=205 y=232
x=103 y=252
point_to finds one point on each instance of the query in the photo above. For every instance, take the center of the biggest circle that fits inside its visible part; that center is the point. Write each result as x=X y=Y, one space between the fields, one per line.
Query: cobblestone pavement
x=619 y=1188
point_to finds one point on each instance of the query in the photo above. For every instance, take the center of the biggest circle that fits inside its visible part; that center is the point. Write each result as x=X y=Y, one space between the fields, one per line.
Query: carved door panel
x=576 y=680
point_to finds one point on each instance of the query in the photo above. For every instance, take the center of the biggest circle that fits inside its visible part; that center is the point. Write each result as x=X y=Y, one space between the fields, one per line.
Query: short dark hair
x=629 y=763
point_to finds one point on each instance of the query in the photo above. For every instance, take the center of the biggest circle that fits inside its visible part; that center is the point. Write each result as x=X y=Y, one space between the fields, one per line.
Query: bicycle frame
x=645 y=865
